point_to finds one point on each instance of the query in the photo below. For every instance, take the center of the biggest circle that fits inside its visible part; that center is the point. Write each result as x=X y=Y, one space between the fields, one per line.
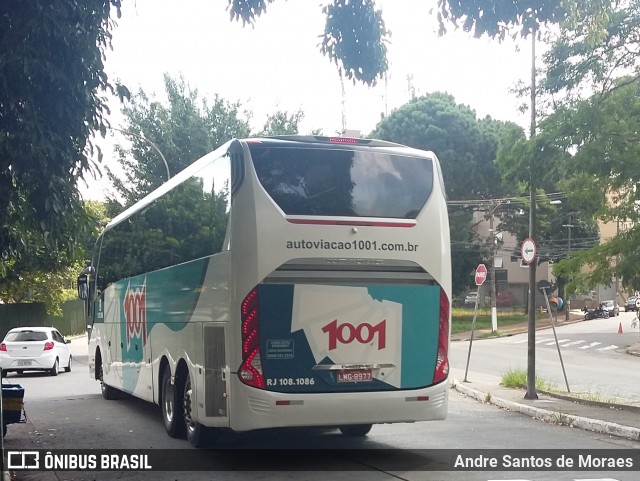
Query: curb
x=552 y=417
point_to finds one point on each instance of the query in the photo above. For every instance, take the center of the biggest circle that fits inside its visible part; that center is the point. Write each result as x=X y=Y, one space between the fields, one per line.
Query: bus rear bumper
x=264 y=409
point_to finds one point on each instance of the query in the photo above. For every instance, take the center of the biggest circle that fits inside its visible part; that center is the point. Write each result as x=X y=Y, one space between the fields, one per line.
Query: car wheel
x=68 y=368
x=172 y=406
x=54 y=370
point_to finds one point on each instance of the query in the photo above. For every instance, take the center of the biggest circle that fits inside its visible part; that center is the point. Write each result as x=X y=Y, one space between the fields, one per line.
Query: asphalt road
x=68 y=412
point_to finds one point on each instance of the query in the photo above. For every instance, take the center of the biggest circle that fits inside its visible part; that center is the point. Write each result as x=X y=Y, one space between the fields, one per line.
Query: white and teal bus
x=280 y=282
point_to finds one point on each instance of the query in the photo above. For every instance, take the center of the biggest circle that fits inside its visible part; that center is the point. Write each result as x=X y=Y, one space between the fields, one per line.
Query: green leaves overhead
x=247 y=10
x=354 y=38
x=582 y=61
x=496 y=18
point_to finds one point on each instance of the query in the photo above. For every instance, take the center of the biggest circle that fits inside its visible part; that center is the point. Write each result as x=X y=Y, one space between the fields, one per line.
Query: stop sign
x=481 y=274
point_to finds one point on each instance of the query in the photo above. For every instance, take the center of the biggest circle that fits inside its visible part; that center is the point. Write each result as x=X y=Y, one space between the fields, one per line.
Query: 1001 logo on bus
x=364 y=333
x=135 y=313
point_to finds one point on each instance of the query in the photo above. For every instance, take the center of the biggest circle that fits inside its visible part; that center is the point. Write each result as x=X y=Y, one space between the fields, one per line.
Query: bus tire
x=107 y=391
x=356 y=430
x=172 y=406
x=197 y=434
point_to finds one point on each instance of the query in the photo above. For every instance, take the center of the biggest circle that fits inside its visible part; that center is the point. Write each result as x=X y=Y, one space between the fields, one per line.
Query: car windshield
x=25 y=336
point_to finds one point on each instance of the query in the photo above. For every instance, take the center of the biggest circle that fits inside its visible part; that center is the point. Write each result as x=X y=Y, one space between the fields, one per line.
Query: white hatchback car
x=34 y=349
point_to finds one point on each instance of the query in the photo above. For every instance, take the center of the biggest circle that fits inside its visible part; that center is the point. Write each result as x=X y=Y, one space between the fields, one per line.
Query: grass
x=462 y=319
x=517 y=378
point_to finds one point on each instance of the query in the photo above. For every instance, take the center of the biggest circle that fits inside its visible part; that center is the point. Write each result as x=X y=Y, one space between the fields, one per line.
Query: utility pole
x=531 y=325
x=492 y=234
x=568 y=226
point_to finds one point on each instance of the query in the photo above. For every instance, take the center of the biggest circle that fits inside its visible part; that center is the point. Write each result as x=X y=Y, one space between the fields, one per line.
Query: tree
x=184 y=130
x=44 y=275
x=354 y=39
x=282 y=123
x=497 y=18
x=579 y=62
x=51 y=76
x=466 y=147
x=602 y=135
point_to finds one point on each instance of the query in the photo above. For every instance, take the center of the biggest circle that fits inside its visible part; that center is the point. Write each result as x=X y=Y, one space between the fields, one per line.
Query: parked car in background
x=611 y=306
x=630 y=304
x=471 y=298
x=34 y=349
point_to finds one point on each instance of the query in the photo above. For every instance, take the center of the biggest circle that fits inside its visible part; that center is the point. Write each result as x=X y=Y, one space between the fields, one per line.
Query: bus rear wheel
x=356 y=430
x=197 y=434
x=172 y=407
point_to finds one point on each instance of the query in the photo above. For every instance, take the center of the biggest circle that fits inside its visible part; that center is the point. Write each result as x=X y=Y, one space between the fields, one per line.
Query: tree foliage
x=580 y=62
x=603 y=174
x=355 y=35
x=51 y=79
x=594 y=80
x=41 y=274
x=179 y=131
x=282 y=123
x=182 y=130
x=496 y=18
x=466 y=147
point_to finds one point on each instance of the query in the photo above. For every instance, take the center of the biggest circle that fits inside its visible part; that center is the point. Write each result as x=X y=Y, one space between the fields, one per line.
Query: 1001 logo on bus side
x=364 y=333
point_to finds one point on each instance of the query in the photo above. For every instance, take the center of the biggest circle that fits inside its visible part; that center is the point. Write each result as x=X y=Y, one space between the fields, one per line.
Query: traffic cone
x=620 y=329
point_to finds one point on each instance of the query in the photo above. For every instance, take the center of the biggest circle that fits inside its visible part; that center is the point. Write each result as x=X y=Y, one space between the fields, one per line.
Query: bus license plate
x=355 y=375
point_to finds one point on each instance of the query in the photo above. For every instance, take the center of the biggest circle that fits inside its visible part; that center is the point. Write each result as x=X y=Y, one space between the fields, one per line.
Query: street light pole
x=144 y=139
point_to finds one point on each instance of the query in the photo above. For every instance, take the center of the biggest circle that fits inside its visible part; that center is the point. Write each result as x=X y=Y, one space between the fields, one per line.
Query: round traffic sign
x=481 y=274
x=545 y=287
x=528 y=250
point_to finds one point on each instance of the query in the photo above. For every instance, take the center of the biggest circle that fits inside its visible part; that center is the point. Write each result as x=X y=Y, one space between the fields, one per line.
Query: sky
x=277 y=64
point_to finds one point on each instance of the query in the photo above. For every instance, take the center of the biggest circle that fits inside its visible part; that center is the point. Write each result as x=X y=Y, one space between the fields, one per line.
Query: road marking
x=608 y=348
x=574 y=343
x=541 y=340
x=593 y=344
x=559 y=341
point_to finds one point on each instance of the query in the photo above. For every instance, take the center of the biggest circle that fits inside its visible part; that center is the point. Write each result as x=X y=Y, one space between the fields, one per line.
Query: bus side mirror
x=83 y=287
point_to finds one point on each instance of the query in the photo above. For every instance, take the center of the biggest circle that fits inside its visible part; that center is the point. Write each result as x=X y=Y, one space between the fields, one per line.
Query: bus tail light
x=250 y=372
x=442 y=358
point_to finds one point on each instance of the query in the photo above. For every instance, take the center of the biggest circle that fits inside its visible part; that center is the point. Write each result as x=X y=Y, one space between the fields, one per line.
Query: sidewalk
x=622 y=420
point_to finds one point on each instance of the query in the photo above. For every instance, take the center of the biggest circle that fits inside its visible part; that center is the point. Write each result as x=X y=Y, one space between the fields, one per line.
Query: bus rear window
x=343 y=182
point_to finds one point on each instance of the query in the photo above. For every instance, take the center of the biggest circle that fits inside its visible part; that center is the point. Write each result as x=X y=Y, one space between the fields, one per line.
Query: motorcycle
x=598 y=312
